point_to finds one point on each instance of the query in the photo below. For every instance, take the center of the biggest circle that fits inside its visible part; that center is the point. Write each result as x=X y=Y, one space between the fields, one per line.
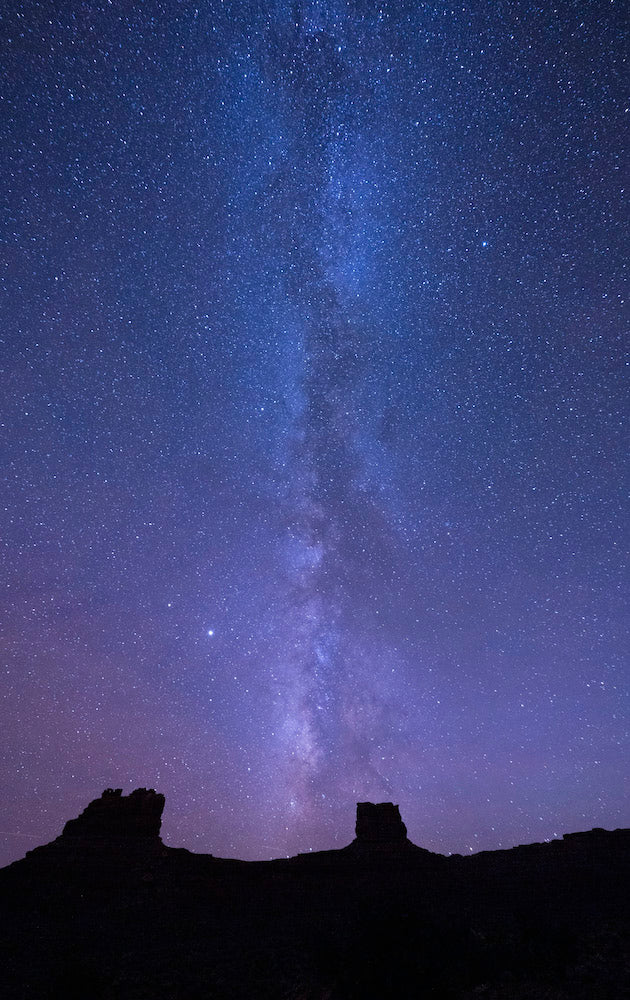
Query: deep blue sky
x=314 y=442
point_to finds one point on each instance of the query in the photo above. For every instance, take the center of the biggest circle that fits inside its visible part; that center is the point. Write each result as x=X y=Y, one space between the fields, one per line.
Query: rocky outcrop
x=115 y=816
x=381 y=837
x=379 y=823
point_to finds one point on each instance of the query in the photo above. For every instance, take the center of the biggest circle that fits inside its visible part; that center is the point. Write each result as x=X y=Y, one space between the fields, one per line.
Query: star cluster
x=314 y=450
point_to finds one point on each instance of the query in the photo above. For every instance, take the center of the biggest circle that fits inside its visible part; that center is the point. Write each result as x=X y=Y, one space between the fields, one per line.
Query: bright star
x=210 y=631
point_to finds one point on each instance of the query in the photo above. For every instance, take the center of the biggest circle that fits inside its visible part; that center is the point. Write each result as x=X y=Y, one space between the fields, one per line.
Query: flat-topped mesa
x=131 y=818
x=379 y=823
x=381 y=835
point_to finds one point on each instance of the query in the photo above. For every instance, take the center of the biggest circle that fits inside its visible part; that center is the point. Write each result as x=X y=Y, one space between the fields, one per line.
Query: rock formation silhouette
x=379 y=823
x=108 y=912
x=119 y=816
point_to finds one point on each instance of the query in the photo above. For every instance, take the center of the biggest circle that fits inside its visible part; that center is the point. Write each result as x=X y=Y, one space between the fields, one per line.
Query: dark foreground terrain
x=107 y=911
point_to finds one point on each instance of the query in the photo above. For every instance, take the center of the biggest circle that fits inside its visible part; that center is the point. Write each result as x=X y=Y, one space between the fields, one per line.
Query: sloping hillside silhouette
x=108 y=912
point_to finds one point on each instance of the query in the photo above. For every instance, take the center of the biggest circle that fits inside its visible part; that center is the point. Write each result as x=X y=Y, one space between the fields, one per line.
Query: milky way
x=314 y=419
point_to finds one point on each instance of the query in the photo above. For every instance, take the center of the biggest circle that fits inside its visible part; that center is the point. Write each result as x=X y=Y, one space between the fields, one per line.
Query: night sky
x=313 y=418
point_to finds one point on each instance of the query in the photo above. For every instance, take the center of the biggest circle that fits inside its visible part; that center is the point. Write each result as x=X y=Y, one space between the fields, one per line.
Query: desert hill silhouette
x=108 y=912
